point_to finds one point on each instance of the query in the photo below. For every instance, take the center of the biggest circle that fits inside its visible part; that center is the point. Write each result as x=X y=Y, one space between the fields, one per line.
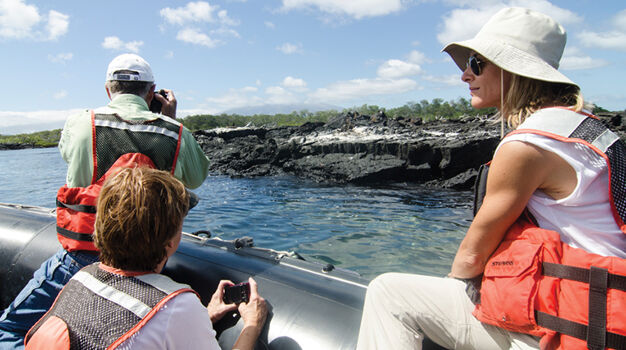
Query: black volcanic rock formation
x=354 y=148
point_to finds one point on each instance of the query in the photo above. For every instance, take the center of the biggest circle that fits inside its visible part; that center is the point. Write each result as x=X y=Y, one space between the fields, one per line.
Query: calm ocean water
x=366 y=229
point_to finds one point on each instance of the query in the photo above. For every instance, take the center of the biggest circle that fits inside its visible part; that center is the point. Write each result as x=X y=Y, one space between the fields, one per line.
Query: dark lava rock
x=354 y=148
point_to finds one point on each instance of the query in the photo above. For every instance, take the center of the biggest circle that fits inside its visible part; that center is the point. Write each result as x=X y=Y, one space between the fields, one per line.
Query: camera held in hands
x=237 y=294
x=156 y=105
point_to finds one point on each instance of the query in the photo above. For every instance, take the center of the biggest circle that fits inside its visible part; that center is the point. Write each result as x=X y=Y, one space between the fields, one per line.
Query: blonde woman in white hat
x=551 y=223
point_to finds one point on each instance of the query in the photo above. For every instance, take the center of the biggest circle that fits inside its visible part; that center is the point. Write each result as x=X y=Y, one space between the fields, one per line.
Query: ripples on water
x=370 y=230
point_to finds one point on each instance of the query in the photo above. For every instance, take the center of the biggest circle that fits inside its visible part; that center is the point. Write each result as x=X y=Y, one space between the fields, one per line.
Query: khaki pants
x=400 y=309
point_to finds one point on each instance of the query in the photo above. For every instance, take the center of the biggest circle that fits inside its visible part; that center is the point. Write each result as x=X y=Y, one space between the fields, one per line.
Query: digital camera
x=156 y=105
x=237 y=294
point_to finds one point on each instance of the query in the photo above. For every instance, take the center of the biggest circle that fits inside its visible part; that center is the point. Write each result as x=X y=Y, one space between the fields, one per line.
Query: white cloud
x=353 y=8
x=235 y=98
x=619 y=21
x=193 y=36
x=61 y=57
x=464 y=23
x=448 y=80
x=60 y=95
x=289 y=48
x=197 y=14
x=393 y=69
x=275 y=90
x=223 y=31
x=249 y=89
x=607 y=40
x=115 y=43
x=34 y=120
x=19 y=20
x=225 y=20
x=345 y=91
x=169 y=55
x=417 y=57
x=581 y=62
x=58 y=24
x=614 y=39
x=575 y=59
x=270 y=25
x=199 y=11
x=279 y=95
x=291 y=82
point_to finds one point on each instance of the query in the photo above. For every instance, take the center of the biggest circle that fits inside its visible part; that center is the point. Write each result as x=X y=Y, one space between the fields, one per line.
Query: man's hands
x=168 y=105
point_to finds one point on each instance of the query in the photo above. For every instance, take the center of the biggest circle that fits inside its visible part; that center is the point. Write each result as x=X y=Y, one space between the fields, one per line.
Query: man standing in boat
x=95 y=144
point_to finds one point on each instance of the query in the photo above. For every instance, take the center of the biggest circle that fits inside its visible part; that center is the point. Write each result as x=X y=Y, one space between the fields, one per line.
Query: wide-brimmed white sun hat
x=520 y=41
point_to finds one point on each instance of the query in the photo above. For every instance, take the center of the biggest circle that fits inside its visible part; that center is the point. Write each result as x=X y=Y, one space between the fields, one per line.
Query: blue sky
x=222 y=54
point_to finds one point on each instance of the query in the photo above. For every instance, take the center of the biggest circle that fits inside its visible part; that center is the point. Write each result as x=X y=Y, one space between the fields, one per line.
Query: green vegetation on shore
x=48 y=138
x=435 y=109
x=427 y=110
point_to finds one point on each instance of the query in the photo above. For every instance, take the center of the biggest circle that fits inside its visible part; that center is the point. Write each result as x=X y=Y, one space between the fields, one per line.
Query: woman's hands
x=217 y=308
x=254 y=312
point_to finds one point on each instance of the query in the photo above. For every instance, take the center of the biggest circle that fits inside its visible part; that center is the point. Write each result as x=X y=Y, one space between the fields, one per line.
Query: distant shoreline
x=17 y=146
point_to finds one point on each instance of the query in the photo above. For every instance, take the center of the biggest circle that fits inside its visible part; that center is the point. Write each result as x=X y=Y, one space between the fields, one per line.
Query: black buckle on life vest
x=599 y=280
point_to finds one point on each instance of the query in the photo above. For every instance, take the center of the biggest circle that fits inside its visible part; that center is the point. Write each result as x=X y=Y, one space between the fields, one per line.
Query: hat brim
x=506 y=57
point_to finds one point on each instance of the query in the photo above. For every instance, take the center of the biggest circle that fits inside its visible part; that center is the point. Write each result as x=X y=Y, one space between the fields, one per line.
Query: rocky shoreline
x=362 y=149
x=357 y=149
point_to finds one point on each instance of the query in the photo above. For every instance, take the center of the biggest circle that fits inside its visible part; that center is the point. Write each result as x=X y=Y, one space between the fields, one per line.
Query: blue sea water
x=401 y=228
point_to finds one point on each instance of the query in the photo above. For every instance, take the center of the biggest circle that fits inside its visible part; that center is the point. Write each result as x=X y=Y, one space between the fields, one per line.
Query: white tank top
x=584 y=218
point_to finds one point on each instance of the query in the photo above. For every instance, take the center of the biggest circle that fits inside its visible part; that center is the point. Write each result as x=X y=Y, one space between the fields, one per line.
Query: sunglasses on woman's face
x=475 y=64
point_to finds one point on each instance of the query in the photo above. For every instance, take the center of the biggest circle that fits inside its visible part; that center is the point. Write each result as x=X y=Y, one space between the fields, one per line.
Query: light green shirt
x=77 y=148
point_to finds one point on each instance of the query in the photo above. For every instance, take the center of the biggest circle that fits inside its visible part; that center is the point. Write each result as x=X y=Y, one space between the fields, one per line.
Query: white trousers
x=400 y=309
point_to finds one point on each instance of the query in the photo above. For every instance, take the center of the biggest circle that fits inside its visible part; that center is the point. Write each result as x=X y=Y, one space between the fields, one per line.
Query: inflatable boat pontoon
x=312 y=306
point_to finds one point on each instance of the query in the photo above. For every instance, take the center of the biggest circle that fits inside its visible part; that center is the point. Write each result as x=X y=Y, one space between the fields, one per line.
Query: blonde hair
x=139 y=211
x=526 y=96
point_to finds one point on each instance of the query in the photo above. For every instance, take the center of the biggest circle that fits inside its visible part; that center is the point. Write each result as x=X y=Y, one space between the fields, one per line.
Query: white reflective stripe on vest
x=137 y=128
x=605 y=140
x=161 y=282
x=122 y=299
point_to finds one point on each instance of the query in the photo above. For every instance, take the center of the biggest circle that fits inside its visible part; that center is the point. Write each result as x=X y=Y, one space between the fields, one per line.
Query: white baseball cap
x=139 y=69
x=520 y=41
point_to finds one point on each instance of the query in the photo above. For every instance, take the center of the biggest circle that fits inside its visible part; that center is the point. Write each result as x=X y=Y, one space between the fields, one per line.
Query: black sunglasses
x=475 y=64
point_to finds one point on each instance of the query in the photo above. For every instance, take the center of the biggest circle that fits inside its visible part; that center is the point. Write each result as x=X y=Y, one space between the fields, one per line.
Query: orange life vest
x=534 y=283
x=121 y=305
x=117 y=143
